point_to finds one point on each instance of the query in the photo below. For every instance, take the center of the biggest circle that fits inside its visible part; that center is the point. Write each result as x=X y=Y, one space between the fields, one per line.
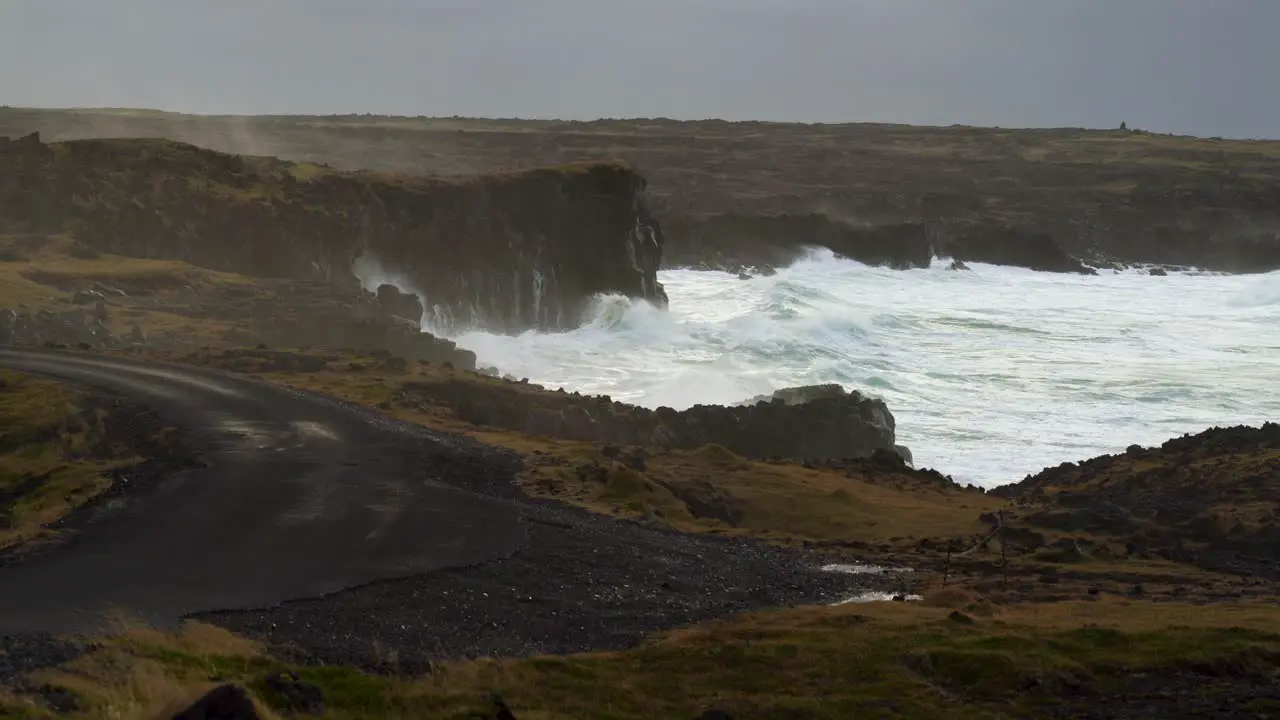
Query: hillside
x=1209 y=499
x=1042 y=194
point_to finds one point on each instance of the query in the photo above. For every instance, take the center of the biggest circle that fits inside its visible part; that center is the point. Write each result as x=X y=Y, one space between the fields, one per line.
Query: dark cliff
x=506 y=252
x=1210 y=499
x=734 y=241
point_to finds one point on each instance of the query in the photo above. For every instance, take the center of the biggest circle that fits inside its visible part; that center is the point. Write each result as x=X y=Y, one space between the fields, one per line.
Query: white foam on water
x=991 y=373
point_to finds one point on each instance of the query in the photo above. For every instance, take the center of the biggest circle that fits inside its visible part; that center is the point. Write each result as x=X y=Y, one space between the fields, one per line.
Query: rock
x=1158 y=271
x=400 y=304
x=500 y=709
x=904 y=452
x=808 y=393
x=957 y=265
x=735 y=241
x=708 y=502
x=136 y=336
x=107 y=290
x=1012 y=246
x=87 y=297
x=297 y=696
x=225 y=702
x=834 y=424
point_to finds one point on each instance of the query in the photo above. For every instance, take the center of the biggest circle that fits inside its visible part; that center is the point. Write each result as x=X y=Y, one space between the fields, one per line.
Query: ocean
x=992 y=373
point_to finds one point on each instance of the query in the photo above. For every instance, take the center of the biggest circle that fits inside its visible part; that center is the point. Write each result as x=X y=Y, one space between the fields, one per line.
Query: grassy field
x=889 y=660
x=50 y=456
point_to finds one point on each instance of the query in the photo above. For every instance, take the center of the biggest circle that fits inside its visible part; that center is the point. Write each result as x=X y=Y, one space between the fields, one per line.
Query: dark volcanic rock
x=296 y=695
x=829 y=423
x=400 y=304
x=732 y=242
x=1208 y=499
x=507 y=252
x=225 y=702
x=1011 y=246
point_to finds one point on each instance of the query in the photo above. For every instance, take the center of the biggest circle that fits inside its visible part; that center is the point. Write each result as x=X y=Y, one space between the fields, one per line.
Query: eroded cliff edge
x=506 y=252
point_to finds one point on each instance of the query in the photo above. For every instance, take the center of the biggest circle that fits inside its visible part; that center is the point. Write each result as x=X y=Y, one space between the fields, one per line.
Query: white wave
x=992 y=373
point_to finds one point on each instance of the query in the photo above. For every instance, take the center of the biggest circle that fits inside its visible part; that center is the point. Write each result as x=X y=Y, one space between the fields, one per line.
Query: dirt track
x=302 y=497
x=299 y=498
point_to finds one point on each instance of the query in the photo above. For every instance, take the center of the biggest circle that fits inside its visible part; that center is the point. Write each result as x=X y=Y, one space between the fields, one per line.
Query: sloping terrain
x=1209 y=499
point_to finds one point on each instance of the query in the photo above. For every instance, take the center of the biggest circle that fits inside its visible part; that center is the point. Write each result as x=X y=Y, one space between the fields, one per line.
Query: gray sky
x=1206 y=67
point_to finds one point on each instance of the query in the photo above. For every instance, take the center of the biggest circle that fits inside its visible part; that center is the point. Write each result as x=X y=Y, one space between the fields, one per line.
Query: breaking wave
x=992 y=373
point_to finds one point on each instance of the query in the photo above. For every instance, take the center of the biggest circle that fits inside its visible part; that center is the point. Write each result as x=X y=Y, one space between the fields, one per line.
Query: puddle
x=869 y=597
x=848 y=569
x=252 y=435
x=872 y=595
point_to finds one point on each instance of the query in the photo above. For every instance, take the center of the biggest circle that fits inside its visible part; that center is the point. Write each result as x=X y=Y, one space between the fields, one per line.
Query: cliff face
x=504 y=252
x=733 y=241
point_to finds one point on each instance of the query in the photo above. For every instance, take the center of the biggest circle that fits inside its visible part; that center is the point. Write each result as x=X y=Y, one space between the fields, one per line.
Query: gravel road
x=340 y=535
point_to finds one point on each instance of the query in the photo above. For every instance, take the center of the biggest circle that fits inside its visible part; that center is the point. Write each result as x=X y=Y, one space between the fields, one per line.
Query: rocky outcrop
x=399 y=304
x=734 y=242
x=1210 y=499
x=998 y=245
x=505 y=252
x=844 y=425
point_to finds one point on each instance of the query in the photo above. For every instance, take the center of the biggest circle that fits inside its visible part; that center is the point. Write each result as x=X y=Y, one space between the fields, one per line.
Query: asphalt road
x=298 y=497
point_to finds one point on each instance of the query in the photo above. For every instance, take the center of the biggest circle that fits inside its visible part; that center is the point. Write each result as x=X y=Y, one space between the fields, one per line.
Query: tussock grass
x=890 y=660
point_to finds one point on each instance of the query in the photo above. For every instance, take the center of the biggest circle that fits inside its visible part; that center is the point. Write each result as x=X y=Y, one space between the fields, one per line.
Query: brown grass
x=43 y=431
x=904 y=660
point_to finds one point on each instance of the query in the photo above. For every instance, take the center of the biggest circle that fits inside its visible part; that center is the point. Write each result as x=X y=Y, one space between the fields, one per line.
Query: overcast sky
x=1206 y=67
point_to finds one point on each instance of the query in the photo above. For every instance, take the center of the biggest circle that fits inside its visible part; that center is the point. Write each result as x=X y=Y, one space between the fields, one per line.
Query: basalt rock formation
x=734 y=242
x=506 y=252
x=998 y=245
x=1212 y=499
x=825 y=426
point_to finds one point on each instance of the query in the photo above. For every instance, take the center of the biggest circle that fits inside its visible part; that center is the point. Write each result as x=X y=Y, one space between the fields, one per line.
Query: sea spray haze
x=992 y=373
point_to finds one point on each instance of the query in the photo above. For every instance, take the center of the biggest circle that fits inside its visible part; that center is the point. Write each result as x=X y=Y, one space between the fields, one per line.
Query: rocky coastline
x=506 y=252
